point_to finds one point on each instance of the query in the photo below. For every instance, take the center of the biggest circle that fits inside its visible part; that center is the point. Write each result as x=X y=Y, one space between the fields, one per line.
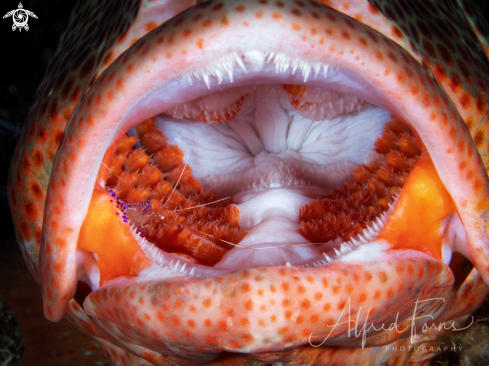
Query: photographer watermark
x=358 y=330
x=423 y=348
x=20 y=17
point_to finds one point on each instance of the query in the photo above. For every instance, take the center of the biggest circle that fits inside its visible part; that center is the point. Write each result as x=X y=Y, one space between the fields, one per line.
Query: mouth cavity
x=295 y=164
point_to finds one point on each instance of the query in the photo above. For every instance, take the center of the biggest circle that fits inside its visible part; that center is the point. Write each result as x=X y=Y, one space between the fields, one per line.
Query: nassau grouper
x=252 y=182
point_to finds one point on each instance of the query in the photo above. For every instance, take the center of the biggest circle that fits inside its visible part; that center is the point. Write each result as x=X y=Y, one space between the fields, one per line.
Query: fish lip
x=440 y=279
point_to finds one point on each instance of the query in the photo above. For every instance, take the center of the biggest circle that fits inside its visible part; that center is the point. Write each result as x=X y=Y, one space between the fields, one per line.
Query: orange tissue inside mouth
x=416 y=222
x=103 y=232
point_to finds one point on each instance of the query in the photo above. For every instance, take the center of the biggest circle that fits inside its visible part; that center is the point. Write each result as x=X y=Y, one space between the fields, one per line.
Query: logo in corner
x=20 y=17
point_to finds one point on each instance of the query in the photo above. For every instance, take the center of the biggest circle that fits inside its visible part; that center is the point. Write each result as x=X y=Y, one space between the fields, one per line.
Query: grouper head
x=247 y=181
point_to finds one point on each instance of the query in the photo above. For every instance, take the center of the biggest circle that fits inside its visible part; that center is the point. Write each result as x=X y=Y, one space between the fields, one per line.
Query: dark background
x=24 y=57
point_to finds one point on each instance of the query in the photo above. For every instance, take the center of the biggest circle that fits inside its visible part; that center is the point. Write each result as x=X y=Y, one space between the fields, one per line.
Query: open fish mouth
x=271 y=174
x=241 y=198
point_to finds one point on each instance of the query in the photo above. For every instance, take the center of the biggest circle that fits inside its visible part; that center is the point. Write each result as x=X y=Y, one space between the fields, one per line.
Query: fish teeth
x=317 y=69
x=367 y=235
x=219 y=76
x=240 y=63
x=337 y=252
x=282 y=63
x=306 y=69
x=270 y=56
x=325 y=70
x=229 y=70
x=189 y=77
x=206 y=80
x=327 y=258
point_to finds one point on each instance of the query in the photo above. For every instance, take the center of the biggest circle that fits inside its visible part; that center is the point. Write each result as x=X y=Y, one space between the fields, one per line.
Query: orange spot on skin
x=461 y=146
x=150 y=26
x=440 y=72
x=453 y=132
x=426 y=99
x=383 y=277
x=123 y=37
x=249 y=305
x=30 y=210
x=465 y=100
x=200 y=43
x=444 y=119
x=455 y=83
x=397 y=32
x=372 y=9
x=368 y=276
x=276 y=16
x=480 y=104
x=225 y=21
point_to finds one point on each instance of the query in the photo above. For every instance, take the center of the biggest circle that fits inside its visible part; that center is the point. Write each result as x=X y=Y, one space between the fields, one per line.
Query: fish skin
x=35 y=153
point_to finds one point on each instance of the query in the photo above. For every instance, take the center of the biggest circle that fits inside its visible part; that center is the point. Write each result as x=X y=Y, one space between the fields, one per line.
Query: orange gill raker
x=218 y=70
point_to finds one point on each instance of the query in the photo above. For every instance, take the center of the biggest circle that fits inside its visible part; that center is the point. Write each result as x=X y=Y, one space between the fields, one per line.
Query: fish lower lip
x=394 y=277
